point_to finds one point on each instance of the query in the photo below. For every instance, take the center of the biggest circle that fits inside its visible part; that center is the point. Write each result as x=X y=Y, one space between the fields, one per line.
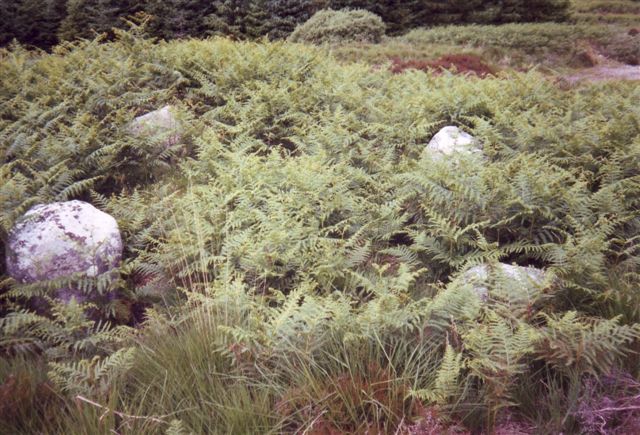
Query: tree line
x=44 y=23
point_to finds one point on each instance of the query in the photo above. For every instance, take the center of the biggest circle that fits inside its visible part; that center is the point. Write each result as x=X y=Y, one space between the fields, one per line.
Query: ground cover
x=556 y=49
x=297 y=261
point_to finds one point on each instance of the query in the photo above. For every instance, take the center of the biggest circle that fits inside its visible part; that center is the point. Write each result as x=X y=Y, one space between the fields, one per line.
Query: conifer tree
x=43 y=22
x=77 y=21
x=86 y=17
x=239 y=18
x=540 y=10
x=401 y=15
x=256 y=20
x=179 y=18
x=285 y=15
x=32 y=22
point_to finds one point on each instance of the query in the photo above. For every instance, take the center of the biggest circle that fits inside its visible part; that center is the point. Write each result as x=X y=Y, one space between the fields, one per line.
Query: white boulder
x=160 y=123
x=527 y=279
x=450 y=141
x=61 y=239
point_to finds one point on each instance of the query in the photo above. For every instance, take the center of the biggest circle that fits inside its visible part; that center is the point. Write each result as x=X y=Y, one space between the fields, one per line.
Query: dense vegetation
x=607 y=11
x=297 y=261
x=333 y=27
x=43 y=22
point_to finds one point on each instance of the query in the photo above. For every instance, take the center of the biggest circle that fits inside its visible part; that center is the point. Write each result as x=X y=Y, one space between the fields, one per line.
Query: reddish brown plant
x=460 y=63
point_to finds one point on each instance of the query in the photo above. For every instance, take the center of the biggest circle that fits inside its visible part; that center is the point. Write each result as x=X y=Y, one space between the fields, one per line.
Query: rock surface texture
x=61 y=239
x=161 y=123
x=450 y=141
x=525 y=277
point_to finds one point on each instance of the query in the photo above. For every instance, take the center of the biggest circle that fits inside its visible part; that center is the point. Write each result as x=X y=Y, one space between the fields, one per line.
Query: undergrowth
x=548 y=47
x=527 y=37
x=297 y=262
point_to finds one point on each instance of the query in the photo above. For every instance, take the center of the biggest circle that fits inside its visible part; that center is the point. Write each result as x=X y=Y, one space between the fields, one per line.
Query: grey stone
x=529 y=278
x=159 y=123
x=62 y=239
x=450 y=141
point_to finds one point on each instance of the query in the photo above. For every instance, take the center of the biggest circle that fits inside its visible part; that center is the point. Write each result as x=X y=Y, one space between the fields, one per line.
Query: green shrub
x=607 y=6
x=530 y=37
x=330 y=26
x=619 y=12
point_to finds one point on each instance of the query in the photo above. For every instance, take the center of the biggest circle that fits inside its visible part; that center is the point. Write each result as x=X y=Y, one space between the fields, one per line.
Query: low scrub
x=607 y=6
x=333 y=27
x=624 y=48
x=530 y=38
x=458 y=63
x=309 y=253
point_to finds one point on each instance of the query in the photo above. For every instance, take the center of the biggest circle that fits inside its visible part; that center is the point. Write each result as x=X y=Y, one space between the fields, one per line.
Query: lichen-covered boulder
x=161 y=123
x=527 y=279
x=62 y=239
x=450 y=141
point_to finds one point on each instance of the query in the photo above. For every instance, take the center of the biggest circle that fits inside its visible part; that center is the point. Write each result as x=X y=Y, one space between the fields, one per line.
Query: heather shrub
x=330 y=26
x=459 y=63
x=620 y=12
x=610 y=405
x=624 y=48
x=607 y=6
x=530 y=37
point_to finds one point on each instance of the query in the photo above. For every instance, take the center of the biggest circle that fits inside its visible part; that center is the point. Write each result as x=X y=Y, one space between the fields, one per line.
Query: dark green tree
x=540 y=10
x=32 y=22
x=285 y=15
x=239 y=18
x=43 y=22
x=179 y=18
x=86 y=17
x=400 y=15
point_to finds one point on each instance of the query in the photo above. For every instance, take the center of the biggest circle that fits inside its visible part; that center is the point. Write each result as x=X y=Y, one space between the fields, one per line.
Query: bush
x=528 y=37
x=329 y=26
x=624 y=48
x=608 y=6
x=460 y=63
